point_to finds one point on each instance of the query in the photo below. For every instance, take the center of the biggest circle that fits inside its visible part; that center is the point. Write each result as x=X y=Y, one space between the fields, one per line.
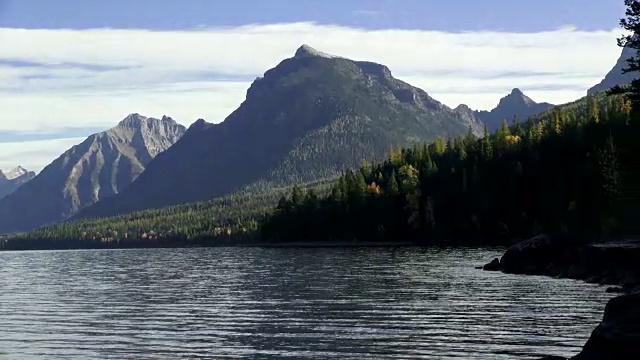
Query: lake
x=296 y=303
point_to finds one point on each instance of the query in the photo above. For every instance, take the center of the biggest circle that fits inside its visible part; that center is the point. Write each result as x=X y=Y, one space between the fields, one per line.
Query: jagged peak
x=133 y=119
x=462 y=107
x=137 y=120
x=517 y=95
x=516 y=91
x=307 y=51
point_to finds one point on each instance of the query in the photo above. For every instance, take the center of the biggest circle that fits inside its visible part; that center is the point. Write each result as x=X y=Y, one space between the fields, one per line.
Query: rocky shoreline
x=610 y=263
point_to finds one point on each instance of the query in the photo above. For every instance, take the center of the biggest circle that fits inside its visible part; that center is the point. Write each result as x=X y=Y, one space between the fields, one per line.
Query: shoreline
x=266 y=244
x=301 y=244
x=336 y=244
x=608 y=263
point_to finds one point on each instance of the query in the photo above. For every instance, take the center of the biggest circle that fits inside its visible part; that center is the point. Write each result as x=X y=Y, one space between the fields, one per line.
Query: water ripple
x=250 y=303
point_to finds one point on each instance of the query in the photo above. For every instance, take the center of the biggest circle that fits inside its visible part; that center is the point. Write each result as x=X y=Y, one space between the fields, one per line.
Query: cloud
x=34 y=155
x=50 y=111
x=82 y=64
x=52 y=80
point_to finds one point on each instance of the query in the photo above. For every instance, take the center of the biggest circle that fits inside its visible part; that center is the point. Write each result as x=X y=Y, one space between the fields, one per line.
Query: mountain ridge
x=515 y=105
x=102 y=165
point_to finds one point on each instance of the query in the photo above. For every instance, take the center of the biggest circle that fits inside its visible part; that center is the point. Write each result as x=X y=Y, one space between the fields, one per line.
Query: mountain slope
x=102 y=165
x=11 y=179
x=306 y=119
x=516 y=104
x=615 y=76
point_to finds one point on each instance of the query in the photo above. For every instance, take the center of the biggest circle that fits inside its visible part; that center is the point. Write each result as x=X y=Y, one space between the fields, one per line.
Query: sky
x=70 y=68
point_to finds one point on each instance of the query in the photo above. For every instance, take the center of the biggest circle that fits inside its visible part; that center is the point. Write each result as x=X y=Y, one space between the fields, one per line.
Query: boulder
x=618 y=335
x=494 y=265
x=537 y=254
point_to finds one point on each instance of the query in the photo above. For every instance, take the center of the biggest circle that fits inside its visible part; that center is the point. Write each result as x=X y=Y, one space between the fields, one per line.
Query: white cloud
x=34 y=155
x=50 y=111
x=93 y=78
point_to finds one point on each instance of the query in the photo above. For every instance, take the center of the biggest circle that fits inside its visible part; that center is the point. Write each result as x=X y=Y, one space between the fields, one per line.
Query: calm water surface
x=251 y=303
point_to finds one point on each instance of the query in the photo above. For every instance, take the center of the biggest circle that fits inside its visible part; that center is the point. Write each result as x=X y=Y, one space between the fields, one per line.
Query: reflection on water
x=252 y=303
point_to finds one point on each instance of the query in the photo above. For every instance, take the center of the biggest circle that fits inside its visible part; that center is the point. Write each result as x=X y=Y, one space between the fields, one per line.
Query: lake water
x=313 y=303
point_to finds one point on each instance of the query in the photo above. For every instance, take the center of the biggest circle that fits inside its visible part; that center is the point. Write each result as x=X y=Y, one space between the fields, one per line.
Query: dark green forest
x=570 y=170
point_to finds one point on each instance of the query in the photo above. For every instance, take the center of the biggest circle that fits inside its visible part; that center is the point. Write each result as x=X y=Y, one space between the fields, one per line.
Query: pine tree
x=359 y=185
x=392 y=186
x=610 y=170
x=487 y=146
x=631 y=23
x=594 y=111
x=470 y=138
x=297 y=195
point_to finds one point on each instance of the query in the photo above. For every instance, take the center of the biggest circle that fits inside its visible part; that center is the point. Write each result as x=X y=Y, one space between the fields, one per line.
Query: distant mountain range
x=615 y=75
x=102 y=165
x=11 y=179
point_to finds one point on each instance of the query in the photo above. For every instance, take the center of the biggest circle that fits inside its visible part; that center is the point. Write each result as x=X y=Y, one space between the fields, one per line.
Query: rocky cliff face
x=308 y=118
x=102 y=165
x=615 y=76
x=11 y=179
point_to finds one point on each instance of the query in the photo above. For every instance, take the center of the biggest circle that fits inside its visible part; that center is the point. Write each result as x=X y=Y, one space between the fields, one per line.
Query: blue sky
x=69 y=68
x=447 y=15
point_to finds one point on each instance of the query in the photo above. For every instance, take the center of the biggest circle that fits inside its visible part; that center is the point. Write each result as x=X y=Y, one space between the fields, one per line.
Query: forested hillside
x=231 y=218
x=559 y=172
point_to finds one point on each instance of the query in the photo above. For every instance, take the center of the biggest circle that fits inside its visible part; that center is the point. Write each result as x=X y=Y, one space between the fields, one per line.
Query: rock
x=618 y=335
x=602 y=263
x=536 y=255
x=494 y=265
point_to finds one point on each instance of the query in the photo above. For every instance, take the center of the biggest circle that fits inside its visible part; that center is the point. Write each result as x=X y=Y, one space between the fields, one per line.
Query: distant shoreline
x=297 y=244
x=338 y=244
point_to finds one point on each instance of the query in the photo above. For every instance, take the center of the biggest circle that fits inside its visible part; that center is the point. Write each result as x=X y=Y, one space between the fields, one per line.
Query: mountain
x=308 y=118
x=11 y=179
x=615 y=75
x=516 y=104
x=102 y=165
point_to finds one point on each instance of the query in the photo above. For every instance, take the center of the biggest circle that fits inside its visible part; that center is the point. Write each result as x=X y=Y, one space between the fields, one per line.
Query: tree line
x=557 y=172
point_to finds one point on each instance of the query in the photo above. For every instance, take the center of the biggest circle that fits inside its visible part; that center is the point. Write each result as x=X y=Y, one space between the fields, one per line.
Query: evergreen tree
x=631 y=23
x=393 y=187
x=297 y=196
